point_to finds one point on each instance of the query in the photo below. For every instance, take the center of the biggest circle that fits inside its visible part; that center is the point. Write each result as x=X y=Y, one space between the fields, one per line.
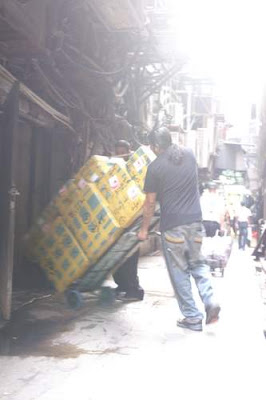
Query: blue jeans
x=243 y=235
x=182 y=252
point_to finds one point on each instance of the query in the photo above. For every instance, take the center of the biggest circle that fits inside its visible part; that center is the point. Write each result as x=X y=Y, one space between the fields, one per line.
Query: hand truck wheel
x=74 y=299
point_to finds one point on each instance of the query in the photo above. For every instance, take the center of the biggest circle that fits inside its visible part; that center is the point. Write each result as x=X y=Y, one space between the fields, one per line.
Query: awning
x=31 y=106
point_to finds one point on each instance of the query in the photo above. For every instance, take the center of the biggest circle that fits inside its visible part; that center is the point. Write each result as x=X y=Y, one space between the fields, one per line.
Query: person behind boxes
x=172 y=180
x=126 y=277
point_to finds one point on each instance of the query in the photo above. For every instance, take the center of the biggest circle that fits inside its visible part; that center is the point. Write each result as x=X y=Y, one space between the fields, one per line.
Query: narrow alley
x=135 y=350
x=132 y=158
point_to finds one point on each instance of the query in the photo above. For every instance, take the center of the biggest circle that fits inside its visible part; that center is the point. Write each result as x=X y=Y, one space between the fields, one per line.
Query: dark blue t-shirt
x=176 y=186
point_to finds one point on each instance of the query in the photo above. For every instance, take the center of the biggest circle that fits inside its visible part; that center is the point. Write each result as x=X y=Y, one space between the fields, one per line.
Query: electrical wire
x=93 y=71
x=51 y=86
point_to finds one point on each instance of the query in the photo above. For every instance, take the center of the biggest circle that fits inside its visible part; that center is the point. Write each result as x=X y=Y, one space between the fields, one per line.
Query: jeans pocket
x=197 y=236
x=175 y=247
x=174 y=238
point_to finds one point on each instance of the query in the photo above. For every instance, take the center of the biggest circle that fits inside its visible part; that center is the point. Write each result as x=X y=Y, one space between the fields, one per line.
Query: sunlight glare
x=225 y=39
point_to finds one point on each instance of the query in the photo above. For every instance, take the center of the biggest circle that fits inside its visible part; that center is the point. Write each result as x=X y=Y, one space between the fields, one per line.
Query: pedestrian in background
x=243 y=220
x=213 y=210
x=172 y=180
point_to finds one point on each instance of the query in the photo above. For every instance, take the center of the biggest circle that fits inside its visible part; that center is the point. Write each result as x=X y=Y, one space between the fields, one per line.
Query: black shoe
x=194 y=324
x=119 y=290
x=212 y=313
x=131 y=295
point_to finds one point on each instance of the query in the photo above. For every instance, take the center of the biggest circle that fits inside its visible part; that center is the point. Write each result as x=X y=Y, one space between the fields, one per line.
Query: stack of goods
x=96 y=167
x=87 y=216
x=58 y=252
x=124 y=197
x=138 y=163
x=91 y=222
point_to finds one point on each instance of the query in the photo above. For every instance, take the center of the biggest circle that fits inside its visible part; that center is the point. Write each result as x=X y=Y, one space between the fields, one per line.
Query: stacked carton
x=92 y=223
x=138 y=163
x=122 y=194
x=96 y=167
x=87 y=216
x=59 y=254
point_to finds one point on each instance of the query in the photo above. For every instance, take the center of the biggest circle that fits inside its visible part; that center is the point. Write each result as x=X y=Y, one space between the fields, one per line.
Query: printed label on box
x=114 y=182
x=139 y=164
x=94 y=177
x=133 y=192
x=82 y=184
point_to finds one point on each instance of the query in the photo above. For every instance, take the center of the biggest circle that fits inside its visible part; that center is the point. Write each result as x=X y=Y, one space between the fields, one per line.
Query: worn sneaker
x=212 y=313
x=194 y=324
x=137 y=295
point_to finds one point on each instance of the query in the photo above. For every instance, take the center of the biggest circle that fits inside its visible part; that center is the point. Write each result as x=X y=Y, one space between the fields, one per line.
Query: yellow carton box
x=66 y=197
x=60 y=255
x=91 y=222
x=57 y=207
x=33 y=237
x=138 y=163
x=96 y=167
x=124 y=197
x=84 y=220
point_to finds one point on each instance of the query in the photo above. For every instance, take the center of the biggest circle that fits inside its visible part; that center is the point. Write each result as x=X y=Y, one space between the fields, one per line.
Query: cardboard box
x=122 y=194
x=96 y=167
x=91 y=222
x=138 y=163
x=66 y=197
x=60 y=255
x=33 y=237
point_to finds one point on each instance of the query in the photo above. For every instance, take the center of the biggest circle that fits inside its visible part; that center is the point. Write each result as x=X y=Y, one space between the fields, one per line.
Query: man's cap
x=123 y=143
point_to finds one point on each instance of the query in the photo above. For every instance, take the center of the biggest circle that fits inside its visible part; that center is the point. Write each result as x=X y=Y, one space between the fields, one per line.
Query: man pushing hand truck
x=172 y=180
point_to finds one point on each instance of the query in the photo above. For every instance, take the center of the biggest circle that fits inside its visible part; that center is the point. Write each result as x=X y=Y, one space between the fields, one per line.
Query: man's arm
x=148 y=212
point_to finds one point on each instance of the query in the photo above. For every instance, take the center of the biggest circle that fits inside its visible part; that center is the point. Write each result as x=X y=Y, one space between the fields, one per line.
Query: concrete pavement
x=135 y=350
